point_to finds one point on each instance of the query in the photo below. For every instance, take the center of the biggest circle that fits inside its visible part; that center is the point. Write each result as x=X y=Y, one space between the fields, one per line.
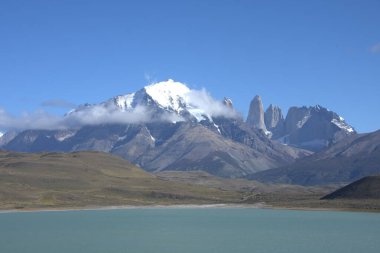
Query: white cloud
x=200 y=100
x=36 y=120
x=98 y=114
x=214 y=108
x=375 y=48
x=91 y=116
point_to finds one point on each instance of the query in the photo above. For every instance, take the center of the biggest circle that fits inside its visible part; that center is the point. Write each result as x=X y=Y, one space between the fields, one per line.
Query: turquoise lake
x=185 y=230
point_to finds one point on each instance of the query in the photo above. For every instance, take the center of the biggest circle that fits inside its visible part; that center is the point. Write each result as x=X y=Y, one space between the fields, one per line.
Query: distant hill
x=82 y=179
x=349 y=160
x=365 y=188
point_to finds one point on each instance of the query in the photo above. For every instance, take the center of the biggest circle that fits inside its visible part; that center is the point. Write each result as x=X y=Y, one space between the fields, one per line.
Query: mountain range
x=313 y=128
x=167 y=126
x=348 y=160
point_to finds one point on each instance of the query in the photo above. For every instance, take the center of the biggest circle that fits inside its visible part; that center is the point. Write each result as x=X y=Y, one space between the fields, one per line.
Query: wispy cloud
x=214 y=108
x=110 y=114
x=59 y=103
x=36 y=120
x=149 y=78
x=94 y=115
x=375 y=48
x=98 y=114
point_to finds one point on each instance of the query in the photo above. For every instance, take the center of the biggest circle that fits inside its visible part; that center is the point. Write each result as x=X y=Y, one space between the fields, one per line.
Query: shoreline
x=127 y=207
x=183 y=206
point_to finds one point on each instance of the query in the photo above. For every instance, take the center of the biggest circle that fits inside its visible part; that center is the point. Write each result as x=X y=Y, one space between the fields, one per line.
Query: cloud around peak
x=214 y=108
x=100 y=114
x=94 y=115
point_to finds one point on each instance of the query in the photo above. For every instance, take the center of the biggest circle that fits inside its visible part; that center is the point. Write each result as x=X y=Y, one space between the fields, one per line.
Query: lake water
x=179 y=230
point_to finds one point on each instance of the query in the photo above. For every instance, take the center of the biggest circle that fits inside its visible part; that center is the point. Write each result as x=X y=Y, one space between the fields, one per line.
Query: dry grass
x=93 y=179
x=82 y=179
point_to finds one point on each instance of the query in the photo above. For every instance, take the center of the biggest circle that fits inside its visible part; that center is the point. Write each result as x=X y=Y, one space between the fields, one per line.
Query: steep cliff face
x=274 y=121
x=256 y=114
x=313 y=128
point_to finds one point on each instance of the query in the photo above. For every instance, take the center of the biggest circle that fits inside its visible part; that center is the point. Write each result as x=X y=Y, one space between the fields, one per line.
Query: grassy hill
x=83 y=179
x=93 y=179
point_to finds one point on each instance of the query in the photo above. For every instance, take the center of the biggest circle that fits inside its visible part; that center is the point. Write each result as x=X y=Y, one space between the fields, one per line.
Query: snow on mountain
x=124 y=102
x=342 y=125
x=1 y=134
x=63 y=135
x=303 y=121
x=169 y=100
x=337 y=120
x=176 y=97
x=169 y=94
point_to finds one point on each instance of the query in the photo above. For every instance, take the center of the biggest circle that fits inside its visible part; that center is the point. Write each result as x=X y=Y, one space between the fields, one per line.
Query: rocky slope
x=5 y=138
x=346 y=161
x=234 y=152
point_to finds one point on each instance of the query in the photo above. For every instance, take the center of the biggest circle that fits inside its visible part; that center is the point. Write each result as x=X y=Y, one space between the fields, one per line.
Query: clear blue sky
x=289 y=52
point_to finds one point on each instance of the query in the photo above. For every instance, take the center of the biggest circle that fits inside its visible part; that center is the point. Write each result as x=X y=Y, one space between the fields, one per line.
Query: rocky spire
x=256 y=114
x=274 y=121
x=273 y=117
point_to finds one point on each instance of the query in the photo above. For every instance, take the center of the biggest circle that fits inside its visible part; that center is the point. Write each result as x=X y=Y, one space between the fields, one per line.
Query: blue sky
x=289 y=52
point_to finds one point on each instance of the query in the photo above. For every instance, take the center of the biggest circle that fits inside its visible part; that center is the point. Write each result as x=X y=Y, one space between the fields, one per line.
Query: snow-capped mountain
x=312 y=128
x=168 y=95
x=165 y=101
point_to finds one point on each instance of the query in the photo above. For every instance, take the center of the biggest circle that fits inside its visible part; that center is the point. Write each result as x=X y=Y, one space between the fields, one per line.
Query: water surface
x=218 y=230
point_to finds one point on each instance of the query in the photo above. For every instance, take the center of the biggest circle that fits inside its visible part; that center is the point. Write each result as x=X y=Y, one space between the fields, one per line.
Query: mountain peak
x=256 y=114
x=168 y=94
x=319 y=108
x=257 y=98
x=165 y=100
x=274 y=120
x=169 y=84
